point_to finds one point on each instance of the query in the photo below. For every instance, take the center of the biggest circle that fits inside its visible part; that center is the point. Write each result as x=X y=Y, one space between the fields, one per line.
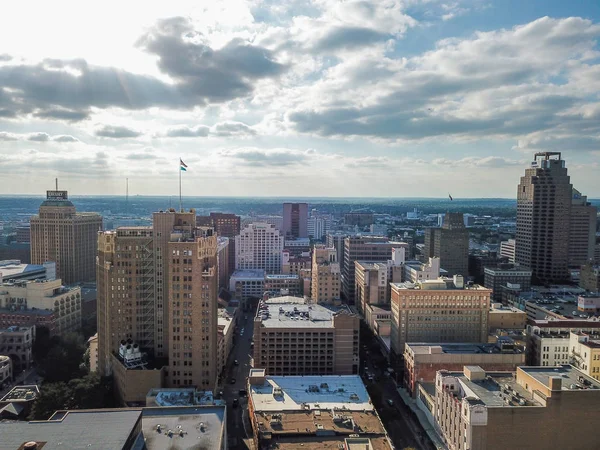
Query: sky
x=337 y=98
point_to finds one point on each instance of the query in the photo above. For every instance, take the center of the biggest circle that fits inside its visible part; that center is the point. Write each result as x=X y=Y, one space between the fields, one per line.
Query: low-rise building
x=423 y=361
x=162 y=428
x=532 y=408
x=292 y=337
x=585 y=352
x=321 y=412
x=17 y=403
x=589 y=304
x=15 y=270
x=181 y=397
x=282 y=284
x=17 y=343
x=506 y=318
x=225 y=329
x=47 y=295
x=495 y=278
x=247 y=284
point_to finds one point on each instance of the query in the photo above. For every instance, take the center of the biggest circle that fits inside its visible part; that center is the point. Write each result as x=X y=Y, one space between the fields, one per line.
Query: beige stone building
x=319 y=412
x=442 y=310
x=325 y=282
x=259 y=246
x=506 y=318
x=17 y=344
x=534 y=408
x=93 y=351
x=423 y=361
x=193 y=302
x=48 y=295
x=227 y=318
x=292 y=337
x=62 y=235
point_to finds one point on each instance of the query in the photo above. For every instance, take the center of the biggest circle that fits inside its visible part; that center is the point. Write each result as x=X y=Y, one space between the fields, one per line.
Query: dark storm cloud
x=202 y=73
x=117 y=132
x=349 y=38
x=183 y=131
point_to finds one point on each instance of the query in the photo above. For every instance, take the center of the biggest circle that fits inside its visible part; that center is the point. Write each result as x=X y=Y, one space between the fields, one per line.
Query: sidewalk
x=412 y=404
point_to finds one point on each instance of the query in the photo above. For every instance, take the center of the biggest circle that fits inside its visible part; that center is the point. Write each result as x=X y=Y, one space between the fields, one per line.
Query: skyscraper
x=259 y=246
x=450 y=243
x=62 y=235
x=295 y=220
x=553 y=220
x=325 y=282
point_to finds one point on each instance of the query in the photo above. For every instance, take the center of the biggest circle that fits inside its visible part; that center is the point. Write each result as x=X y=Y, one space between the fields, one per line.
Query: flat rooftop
x=21 y=394
x=249 y=273
x=316 y=392
x=569 y=374
x=201 y=427
x=287 y=276
x=458 y=348
x=297 y=315
x=10 y=269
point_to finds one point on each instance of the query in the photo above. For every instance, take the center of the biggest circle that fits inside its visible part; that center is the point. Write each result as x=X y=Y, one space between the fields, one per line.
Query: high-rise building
x=336 y=240
x=441 y=310
x=225 y=225
x=325 y=285
x=547 y=208
x=295 y=220
x=318 y=226
x=450 y=243
x=259 y=246
x=365 y=248
x=62 y=235
x=192 y=326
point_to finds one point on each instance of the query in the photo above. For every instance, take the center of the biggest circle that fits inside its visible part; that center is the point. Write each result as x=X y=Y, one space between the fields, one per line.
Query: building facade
x=507 y=250
x=62 y=235
x=17 y=343
x=495 y=278
x=225 y=225
x=450 y=243
x=295 y=220
x=440 y=310
x=259 y=246
x=589 y=278
x=295 y=338
x=326 y=275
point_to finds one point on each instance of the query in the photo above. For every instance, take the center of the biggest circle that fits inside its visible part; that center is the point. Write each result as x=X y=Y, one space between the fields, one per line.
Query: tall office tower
x=336 y=240
x=366 y=248
x=547 y=206
x=69 y=238
x=295 y=220
x=325 y=283
x=126 y=295
x=225 y=225
x=318 y=227
x=165 y=224
x=259 y=246
x=192 y=305
x=449 y=243
x=582 y=233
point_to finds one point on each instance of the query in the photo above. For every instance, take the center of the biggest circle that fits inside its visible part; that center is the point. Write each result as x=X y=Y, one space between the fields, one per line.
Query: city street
x=27 y=377
x=238 y=424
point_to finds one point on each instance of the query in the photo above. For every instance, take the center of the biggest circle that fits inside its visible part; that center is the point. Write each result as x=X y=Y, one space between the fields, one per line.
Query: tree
x=91 y=391
x=63 y=359
x=52 y=397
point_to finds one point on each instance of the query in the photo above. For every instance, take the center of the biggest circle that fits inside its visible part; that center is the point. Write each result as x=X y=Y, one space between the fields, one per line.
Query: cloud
x=117 y=132
x=185 y=131
x=230 y=129
x=4 y=136
x=141 y=156
x=279 y=157
x=68 y=115
x=65 y=138
x=368 y=162
x=5 y=57
x=349 y=38
x=39 y=137
x=474 y=162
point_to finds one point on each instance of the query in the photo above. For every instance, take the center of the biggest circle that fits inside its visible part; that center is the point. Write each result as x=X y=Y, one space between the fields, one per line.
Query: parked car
x=235 y=403
x=242 y=393
x=236 y=362
x=390 y=402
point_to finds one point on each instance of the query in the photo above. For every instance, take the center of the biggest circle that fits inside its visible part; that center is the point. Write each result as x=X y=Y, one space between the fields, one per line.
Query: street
x=26 y=377
x=238 y=424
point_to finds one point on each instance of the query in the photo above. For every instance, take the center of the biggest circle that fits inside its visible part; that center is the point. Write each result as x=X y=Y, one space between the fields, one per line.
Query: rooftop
x=459 y=348
x=572 y=378
x=200 y=427
x=302 y=393
x=249 y=273
x=295 y=313
x=13 y=268
x=22 y=394
x=286 y=276
x=179 y=397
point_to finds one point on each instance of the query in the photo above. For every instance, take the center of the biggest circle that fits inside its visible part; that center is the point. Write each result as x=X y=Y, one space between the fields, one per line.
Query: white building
x=417 y=271
x=246 y=284
x=318 y=227
x=507 y=250
x=259 y=246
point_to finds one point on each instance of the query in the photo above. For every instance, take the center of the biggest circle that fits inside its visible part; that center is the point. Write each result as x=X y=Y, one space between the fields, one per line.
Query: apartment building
x=17 y=343
x=496 y=278
x=292 y=337
x=41 y=302
x=259 y=246
x=423 y=361
x=193 y=298
x=62 y=235
x=326 y=275
x=324 y=412
x=532 y=408
x=442 y=310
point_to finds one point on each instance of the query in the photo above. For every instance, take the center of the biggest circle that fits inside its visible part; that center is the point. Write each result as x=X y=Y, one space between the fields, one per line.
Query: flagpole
x=180 y=203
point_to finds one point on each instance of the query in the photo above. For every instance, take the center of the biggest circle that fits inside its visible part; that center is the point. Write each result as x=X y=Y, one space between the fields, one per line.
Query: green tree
x=63 y=359
x=53 y=396
x=91 y=391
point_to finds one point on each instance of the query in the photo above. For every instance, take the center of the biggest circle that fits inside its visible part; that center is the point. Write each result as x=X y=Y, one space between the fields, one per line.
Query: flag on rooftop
x=182 y=165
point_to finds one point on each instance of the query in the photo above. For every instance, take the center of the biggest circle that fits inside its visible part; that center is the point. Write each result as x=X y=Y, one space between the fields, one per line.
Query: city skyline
x=260 y=98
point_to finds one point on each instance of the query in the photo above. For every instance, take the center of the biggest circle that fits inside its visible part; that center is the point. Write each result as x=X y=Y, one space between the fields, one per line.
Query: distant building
x=326 y=275
x=336 y=240
x=23 y=234
x=320 y=412
x=162 y=428
x=227 y=226
x=6 y=372
x=247 y=284
x=62 y=235
x=450 y=243
x=507 y=250
x=297 y=247
x=534 y=407
x=259 y=246
x=441 y=310
x=359 y=219
x=495 y=278
x=294 y=264
x=224 y=267
x=318 y=227
x=589 y=278
x=423 y=361
x=17 y=343
x=295 y=220
x=295 y=338
x=282 y=284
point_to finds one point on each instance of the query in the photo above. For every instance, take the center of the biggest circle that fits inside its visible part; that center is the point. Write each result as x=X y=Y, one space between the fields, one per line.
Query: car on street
x=232 y=381
x=242 y=332
x=235 y=403
x=236 y=362
x=243 y=393
x=390 y=402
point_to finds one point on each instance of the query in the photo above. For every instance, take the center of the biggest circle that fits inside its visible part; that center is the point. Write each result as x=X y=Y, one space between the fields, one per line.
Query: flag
x=182 y=165
x=448 y=195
